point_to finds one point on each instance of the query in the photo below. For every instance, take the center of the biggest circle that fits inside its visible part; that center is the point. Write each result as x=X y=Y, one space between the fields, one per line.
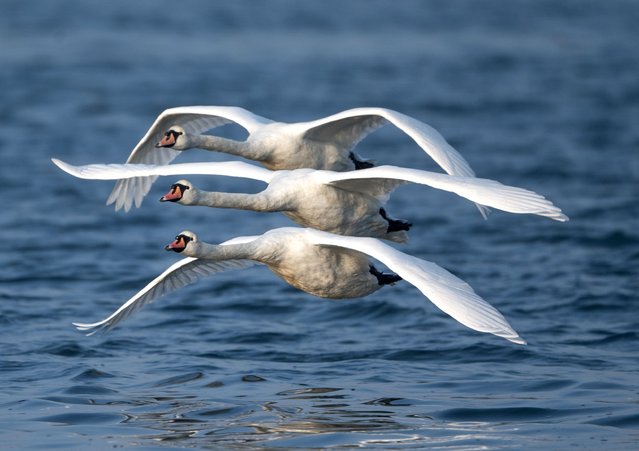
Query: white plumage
x=346 y=203
x=322 y=264
x=315 y=178
x=325 y=143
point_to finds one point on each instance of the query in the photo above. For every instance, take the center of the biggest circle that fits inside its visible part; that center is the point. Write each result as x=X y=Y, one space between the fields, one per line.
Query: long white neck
x=243 y=251
x=219 y=144
x=240 y=201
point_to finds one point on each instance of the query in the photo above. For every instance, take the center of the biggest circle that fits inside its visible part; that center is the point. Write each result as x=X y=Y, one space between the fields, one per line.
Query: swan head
x=183 y=240
x=175 y=138
x=182 y=192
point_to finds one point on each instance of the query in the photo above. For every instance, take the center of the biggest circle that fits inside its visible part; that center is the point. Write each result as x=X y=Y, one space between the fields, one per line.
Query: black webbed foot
x=384 y=278
x=359 y=164
x=395 y=225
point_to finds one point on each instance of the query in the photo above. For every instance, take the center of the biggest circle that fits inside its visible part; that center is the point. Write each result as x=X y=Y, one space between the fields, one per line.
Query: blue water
x=538 y=94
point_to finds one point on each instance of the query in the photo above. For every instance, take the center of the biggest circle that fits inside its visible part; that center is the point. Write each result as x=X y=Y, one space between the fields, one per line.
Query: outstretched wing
x=178 y=275
x=351 y=126
x=127 y=171
x=382 y=180
x=195 y=120
x=451 y=294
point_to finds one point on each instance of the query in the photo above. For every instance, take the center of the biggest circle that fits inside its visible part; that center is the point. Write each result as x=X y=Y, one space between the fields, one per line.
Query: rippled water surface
x=539 y=94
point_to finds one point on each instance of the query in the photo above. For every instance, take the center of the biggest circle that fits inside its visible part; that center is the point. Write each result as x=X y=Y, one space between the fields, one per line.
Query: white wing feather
x=178 y=275
x=126 y=171
x=342 y=127
x=195 y=120
x=451 y=294
x=382 y=180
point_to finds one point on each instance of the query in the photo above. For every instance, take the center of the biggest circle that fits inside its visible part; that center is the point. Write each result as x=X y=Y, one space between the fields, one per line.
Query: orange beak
x=173 y=195
x=176 y=246
x=167 y=141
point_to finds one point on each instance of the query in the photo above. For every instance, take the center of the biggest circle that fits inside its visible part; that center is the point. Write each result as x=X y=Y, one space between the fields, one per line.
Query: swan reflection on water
x=294 y=415
x=308 y=417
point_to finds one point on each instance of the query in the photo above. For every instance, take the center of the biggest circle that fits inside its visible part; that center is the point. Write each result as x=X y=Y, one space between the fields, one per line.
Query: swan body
x=309 y=203
x=322 y=264
x=325 y=143
x=345 y=203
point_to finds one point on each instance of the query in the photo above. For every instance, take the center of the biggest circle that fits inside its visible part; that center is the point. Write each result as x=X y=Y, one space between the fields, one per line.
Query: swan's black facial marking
x=169 y=139
x=176 y=193
x=384 y=278
x=395 y=225
x=179 y=244
x=179 y=186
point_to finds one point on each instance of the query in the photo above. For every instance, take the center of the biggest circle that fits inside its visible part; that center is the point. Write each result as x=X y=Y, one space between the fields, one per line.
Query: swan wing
x=380 y=181
x=449 y=293
x=127 y=171
x=376 y=183
x=195 y=120
x=345 y=129
x=178 y=275
x=351 y=126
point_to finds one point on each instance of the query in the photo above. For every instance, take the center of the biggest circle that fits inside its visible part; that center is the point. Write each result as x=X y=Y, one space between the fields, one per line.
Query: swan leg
x=384 y=278
x=360 y=164
x=395 y=225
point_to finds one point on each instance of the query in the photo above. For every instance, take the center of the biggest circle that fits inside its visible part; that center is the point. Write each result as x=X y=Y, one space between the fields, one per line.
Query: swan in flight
x=321 y=264
x=345 y=203
x=325 y=143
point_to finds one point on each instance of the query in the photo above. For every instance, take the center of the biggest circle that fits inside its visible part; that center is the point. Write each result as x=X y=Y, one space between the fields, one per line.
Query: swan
x=321 y=264
x=345 y=203
x=321 y=144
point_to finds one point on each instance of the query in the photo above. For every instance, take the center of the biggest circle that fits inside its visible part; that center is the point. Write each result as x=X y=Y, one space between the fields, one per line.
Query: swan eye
x=173 y=134
x=182 y=188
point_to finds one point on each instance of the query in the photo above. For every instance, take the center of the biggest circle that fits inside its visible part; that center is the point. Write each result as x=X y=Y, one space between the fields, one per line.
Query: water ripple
x=525 y=90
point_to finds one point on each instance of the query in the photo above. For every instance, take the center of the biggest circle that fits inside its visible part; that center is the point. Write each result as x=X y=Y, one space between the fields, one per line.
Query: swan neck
x=244 y=251
x=240 y=201
x=219 y=144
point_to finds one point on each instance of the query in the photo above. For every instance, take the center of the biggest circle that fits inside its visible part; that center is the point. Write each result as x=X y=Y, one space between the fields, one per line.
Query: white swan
x=321 y=144
x=321 y=264
x=346 y=203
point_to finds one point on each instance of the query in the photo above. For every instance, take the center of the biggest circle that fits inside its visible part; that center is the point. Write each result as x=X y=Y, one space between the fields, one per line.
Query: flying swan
x=321 y=264
x=345 y=203
x=325 y=143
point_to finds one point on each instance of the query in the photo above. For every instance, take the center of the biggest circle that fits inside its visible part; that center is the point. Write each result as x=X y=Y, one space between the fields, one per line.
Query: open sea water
x=538 y=94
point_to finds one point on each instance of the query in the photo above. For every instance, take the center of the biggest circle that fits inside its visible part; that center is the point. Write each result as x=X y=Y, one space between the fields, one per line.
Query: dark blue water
x=538 y=94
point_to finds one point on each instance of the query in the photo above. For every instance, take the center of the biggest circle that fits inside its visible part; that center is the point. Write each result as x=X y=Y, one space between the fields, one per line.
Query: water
x=535 y=94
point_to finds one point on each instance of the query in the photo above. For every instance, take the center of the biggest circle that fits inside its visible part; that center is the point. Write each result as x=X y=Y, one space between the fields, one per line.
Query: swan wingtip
x=485 y=211
x=557 y=215
x=517 y=340
x=62 y=165
x=90 y=329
